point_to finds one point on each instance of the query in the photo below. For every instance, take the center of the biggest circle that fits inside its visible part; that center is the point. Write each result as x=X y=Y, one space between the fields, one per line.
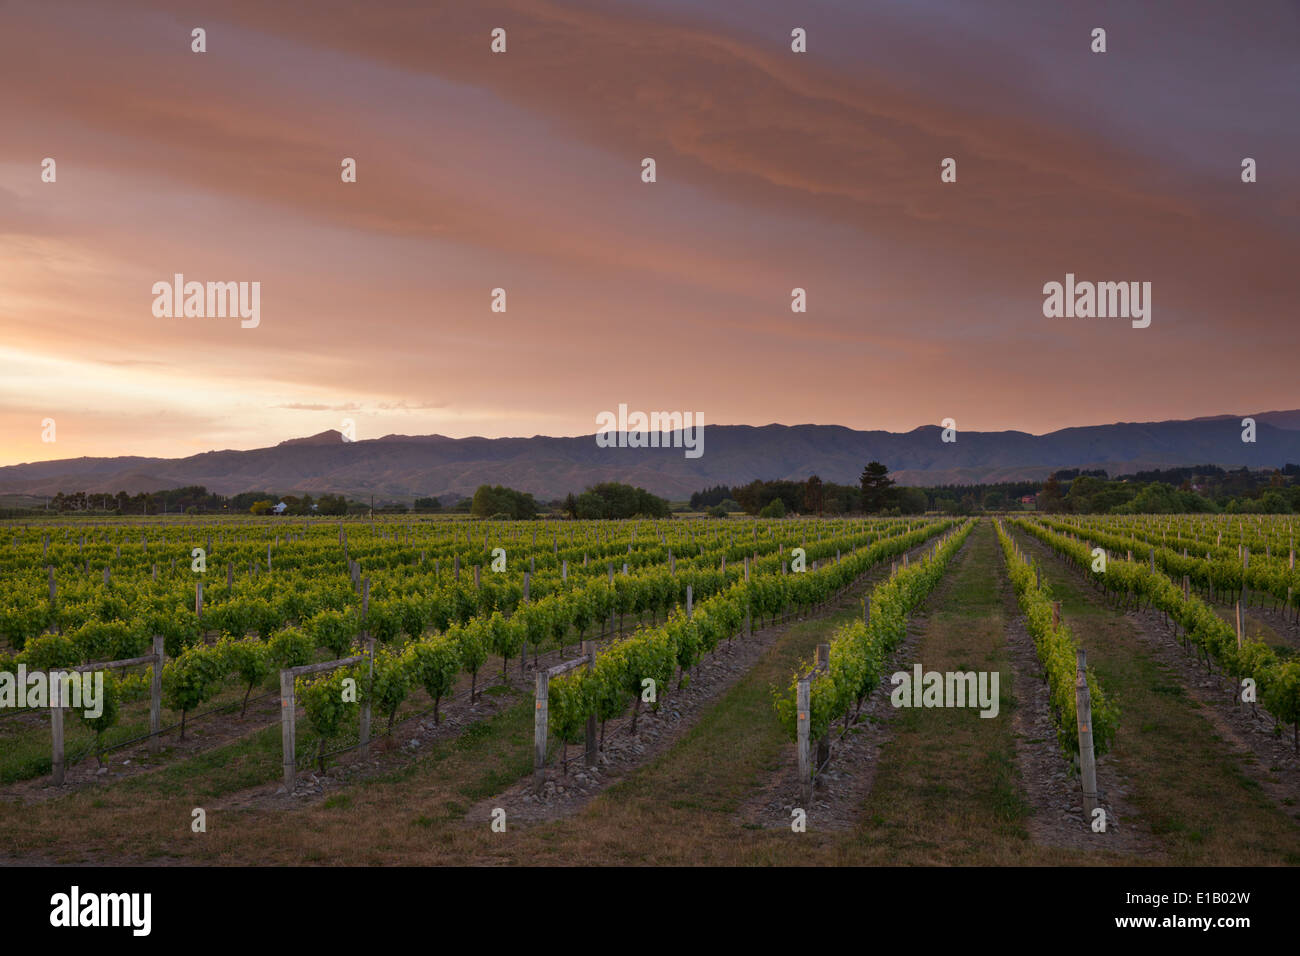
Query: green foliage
x=505 y=635
x=471 y=643
x=49 y=651
x=324 y=704
x=191 y=679
x=614 y=500
x=333 y=630
x=492 y=500
x=392 y=682
x=22 y=620
x=108 y=641
x=109 y=712
x=136 y=687
x=434 y=664
x=290 y=647
x=568 y=705
x=248 y=659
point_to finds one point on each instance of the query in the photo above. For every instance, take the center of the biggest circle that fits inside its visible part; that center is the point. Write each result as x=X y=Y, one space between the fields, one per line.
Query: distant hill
x=401 y=466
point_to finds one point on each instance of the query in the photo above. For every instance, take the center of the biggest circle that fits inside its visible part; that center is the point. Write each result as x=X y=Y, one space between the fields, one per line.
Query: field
x=672 y=735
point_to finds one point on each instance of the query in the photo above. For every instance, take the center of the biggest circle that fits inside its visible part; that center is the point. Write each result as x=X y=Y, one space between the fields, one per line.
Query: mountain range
x=401 y=467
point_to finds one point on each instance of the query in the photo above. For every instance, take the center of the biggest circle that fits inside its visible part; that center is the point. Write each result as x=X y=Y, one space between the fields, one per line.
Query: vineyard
x=437 y=599
x=356 y=678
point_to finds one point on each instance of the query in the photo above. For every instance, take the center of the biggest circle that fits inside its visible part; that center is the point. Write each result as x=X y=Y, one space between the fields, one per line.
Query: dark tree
x=875 y=483
x=812 y=495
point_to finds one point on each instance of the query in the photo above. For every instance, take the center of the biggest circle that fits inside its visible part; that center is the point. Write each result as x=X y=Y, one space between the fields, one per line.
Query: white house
x=280 y=509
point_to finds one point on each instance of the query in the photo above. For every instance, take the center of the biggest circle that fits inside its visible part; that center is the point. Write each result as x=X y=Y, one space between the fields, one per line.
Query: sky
x=522 y=170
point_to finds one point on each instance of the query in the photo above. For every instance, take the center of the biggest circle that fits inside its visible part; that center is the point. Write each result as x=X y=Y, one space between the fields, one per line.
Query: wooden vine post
x=56 y=729
x=749 y=630
x=803 y=717
x=1087 y=757
x=155 y=695
x=803 y=702
x=589 y=652
x=823 y=742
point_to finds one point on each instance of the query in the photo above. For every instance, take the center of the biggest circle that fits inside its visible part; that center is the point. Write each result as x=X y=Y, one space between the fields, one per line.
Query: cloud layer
x=521 y=171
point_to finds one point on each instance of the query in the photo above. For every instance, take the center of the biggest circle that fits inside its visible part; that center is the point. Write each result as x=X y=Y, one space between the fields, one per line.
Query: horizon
x=395 y=435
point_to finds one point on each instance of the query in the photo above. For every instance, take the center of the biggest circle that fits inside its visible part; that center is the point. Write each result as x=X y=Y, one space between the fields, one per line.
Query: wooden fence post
x=287 y=705
x=824 y=742
x=802 y=703
x=365 y=704
x=690 y=602
x=198 y=600
x=1056 y=614
x=541 y=715
x=155 y=696
x=1087 y=759
x=54 y=590
x=589 y=651
x=1245 y=566
x=749 y=628
x=56 y=726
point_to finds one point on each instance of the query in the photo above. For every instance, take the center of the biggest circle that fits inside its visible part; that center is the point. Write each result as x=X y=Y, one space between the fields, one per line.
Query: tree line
x=1202 y=488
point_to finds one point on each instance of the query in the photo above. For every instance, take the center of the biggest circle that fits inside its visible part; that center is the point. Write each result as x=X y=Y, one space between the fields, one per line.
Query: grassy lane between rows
x=947 y=787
